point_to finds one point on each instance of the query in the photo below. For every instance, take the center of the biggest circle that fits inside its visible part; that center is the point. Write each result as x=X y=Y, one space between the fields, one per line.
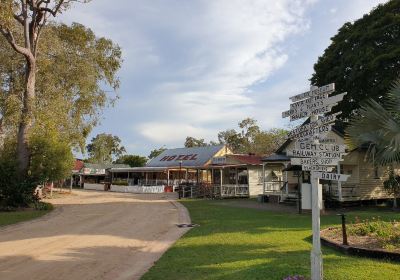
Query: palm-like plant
x=378 y=127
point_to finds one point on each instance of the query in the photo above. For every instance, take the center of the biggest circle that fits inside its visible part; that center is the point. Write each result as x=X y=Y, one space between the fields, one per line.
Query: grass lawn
x=8 y=218
x=241 y=243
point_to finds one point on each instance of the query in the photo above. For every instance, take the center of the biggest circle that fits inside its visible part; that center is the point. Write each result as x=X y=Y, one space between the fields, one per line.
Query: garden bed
x=370 y=238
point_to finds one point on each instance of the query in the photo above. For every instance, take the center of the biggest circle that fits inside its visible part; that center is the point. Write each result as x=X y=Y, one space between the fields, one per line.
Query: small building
x=284 y=182
x=92 y=176
x=211 y=171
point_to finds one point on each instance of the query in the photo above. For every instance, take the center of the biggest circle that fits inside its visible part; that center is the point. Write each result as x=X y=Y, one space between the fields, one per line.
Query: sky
x=194 y=68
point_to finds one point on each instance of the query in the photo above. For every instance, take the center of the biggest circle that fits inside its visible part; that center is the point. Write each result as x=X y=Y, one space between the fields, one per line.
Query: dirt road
x=92 y=235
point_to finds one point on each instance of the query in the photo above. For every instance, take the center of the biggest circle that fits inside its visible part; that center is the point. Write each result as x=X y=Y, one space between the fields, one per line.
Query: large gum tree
x=21 y=24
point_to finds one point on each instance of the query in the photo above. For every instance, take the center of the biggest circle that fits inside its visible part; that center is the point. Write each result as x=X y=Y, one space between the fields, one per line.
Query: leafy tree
x=267 y=142
x=378 y=128
x=231 y=138
x=132 y=160
x=104 y=147
x=251 y=139
x=63 y=94
x=154 y=153
x=21 y=24
x=193 y=142
x=363 y=58
x=249 y=131
x=51 y=157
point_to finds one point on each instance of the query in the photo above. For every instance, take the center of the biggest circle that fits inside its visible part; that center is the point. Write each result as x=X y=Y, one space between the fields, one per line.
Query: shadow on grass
x=239 y=243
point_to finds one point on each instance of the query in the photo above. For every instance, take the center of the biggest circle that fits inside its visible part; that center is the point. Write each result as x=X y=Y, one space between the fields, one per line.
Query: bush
x=120 y=183
x=43 y=206
x=14 y=192
x=387 y=233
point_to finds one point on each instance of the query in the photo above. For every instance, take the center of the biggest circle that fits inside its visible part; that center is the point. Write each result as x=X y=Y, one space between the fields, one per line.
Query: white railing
x=137 y=189
x=274 y=186
x=232 y=190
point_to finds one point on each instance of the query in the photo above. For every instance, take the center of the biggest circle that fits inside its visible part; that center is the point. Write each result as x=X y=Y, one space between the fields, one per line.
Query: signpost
x=315 y=153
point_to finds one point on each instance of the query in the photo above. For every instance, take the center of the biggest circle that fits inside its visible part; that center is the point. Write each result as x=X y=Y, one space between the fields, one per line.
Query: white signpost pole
x=315 y=156
x=316 y=254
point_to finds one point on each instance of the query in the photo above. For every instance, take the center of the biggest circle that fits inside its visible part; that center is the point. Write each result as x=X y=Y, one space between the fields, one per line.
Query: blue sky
x=194 y=68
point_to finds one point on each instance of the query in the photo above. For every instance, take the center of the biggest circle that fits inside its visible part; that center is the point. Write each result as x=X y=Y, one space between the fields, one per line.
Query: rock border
x=358 y=251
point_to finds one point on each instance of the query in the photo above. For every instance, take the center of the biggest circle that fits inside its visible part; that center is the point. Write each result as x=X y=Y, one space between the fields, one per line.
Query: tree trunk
x=23 y=154
x=395 y=202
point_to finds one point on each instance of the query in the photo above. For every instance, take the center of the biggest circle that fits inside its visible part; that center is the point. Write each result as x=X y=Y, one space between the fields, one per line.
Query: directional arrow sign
x=306 y=109
x=313 y=154
x=324 y=168
x=308 y=101
x=314 y=161
x=316 y=111
x=313 y=131
x=321 y=147
x=331 y=176
x=319 y=122
x=324 y=89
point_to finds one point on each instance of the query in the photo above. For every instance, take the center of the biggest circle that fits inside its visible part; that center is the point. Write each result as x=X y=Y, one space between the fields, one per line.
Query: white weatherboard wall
x=255 y=180
x=97 y=187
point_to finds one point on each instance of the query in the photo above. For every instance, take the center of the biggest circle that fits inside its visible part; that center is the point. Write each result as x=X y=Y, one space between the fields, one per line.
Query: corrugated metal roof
x=247 y=159
x=139 y=169
x=190 y=157
x=105 y=165
x=276 y=157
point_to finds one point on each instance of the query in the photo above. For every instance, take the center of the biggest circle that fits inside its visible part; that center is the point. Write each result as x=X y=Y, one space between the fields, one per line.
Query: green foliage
x=14 y=191
x=191 y=142
x=76 y=73
x=154 y=153
x=104 y=147
x=43 y=206
x=51 y=157
x=363 y=58
x=132 y=160
x=387 y=233
x=120 y=183
x=378 y=126
x=251 y=139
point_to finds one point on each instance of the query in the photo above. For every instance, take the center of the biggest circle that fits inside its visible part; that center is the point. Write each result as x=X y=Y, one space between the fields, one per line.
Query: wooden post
x=167 y=177
x=263 y=176
x=339 y=185
x=220 y=172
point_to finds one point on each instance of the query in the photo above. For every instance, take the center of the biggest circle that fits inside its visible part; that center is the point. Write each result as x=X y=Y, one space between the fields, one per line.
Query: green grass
x=238 y=243
x=8 y=218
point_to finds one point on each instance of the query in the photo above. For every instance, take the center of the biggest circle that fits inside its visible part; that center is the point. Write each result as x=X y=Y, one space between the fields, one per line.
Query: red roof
x=247 y=159
x=78 y=165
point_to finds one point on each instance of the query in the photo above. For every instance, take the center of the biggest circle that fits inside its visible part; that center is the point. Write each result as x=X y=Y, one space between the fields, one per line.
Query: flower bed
x=371 y=238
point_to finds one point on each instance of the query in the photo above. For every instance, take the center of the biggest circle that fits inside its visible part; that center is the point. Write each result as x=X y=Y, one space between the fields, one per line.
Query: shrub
x=14 y=192
x=43 y=206
x=120 y=183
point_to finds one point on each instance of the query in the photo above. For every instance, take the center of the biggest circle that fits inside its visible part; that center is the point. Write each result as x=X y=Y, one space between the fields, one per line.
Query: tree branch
x=11 y=40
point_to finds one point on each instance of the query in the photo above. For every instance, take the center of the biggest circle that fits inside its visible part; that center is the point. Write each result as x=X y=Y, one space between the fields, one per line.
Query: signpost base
x=316 y=254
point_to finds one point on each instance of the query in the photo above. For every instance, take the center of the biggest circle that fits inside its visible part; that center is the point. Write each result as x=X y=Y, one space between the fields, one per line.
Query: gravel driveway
x=93 y=235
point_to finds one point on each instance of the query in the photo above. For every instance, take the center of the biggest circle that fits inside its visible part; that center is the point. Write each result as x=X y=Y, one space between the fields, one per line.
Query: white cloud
x=191 y=67
x=171 y=133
